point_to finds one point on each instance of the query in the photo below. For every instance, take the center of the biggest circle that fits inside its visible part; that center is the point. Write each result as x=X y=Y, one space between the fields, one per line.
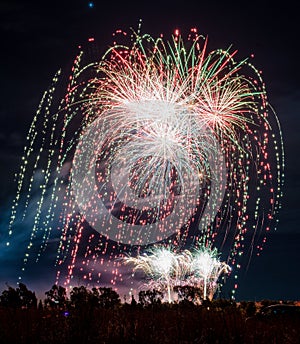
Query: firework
x=157 y=141
x=160 y=265
x=206 y=268
x=165 y=268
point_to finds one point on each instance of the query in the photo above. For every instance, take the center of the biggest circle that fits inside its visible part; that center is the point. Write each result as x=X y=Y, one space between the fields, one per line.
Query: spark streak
x=156 y=141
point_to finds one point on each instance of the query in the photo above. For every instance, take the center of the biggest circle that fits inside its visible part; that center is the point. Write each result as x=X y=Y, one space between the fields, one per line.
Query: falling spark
x=156 y=141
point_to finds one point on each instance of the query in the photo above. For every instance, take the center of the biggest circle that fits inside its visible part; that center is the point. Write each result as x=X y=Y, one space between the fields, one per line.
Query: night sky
x=38 y=38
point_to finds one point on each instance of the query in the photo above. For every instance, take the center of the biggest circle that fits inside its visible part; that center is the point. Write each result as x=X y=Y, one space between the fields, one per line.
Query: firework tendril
x=158 y=141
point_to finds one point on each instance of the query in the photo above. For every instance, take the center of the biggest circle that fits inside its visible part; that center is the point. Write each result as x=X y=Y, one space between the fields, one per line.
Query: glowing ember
x=159 y=141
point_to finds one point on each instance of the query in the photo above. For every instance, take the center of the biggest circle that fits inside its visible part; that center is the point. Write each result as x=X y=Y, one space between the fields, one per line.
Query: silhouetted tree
x=108 y=297
x=102 y=297
x=10 y=298
x=150 y=297
x=94 y=298
x=133 y=301
x=188 y=293
x=28 y=298
x=40 y=305
x=56 y=297
x=19 y=297
x=80 y=296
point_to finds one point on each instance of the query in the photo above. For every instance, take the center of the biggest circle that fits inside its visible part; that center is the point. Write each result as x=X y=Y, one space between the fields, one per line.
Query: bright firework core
x=147 y=171
x=157 y=142
x=165 y=269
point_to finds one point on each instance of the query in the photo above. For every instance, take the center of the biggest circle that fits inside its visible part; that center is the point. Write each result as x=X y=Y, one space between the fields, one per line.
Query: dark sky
x=38 y=38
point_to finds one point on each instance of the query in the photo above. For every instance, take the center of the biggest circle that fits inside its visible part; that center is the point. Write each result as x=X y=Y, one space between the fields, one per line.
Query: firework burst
x=165 y=268
x=157 y=141
x=205 y=270
x=160 y=266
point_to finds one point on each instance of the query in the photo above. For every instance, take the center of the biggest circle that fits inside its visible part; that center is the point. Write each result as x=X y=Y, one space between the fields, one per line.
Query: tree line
x=56 y=297
x=97 y=315
x=106 y=297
